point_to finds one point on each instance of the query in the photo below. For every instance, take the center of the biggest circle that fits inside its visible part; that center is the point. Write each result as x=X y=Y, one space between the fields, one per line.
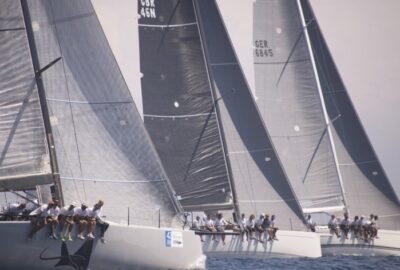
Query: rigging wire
x=292 y=51
x=317 y=147
x=168 y=24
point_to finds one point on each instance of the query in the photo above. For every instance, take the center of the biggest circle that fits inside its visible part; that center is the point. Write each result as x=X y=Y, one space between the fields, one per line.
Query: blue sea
x=337 y=262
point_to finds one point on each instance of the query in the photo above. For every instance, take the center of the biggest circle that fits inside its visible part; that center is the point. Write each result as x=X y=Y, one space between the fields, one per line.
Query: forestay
x=178 y=106
x=367 y=189
x=102 y=148
x=259 y=179
x=287 y=96
x=24 y=155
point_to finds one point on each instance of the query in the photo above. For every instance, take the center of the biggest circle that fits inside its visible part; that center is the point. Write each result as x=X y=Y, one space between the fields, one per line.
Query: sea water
x=332 y=262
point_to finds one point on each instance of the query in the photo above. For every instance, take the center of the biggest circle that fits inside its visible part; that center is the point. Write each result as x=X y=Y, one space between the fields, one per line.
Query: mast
x=216 y=108
x=326 y=117
x=42 y=98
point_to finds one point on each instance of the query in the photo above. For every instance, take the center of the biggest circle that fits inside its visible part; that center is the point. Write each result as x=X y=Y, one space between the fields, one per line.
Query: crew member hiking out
x=39 y=216
x=80 y=217
x=95 y=219
x=66 y=220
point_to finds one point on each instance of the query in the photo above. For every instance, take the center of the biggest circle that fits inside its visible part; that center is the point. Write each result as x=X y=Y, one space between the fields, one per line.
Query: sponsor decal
x=173 y=239
x=79 y=260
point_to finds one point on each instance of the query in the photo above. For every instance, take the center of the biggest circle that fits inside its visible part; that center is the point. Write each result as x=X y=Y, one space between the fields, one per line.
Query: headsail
x=24 y=154
x=366 y=186
x=178 y=104
x=288 y=99
x=260 y=181
x=102 y=147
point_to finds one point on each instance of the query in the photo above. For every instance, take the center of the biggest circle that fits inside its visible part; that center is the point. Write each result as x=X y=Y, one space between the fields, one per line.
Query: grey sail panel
x=287 y=96
x=178 y=105
x=24 y=156
x=259 y=179
x=367 y=189
x=103 y=149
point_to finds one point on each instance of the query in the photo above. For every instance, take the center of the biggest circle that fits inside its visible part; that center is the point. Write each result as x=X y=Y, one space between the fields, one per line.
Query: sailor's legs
x=37 y=224
x=91 y=225
x=52 y=223
x=82 y=223
x=221 y=229
x=243 y=232
x=103 y=227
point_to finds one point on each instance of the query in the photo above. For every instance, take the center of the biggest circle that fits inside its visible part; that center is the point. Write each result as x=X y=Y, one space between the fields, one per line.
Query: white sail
x=120 y=25
x=259 y=179
x=288 y=99
x=103 y=150
x=24 y=154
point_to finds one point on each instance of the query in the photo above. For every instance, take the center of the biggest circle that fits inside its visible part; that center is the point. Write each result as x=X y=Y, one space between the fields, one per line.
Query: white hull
x=387 y=244
x=290 y=244
x=130 y=247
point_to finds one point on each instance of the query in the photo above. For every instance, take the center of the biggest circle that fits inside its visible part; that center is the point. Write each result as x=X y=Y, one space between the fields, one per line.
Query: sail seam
x=298 y=136
x=12 y=29
x=357 y=163
x=279 y=62
x=88 y=102
x=334 y=92
x=266 y=201
x=177 y=116
x=111 y=180
x=250 y=151
x=168 y=25
x=225 y=64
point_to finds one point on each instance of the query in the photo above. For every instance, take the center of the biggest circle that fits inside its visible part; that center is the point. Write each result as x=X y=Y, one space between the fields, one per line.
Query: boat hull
x=290 y=244
x=127 y=247
x=387 y=244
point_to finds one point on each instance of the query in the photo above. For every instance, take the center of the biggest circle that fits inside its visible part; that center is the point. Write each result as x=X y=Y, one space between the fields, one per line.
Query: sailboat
x=315 y=129
x=366 y=187
x=208 y=133
x=70 y=130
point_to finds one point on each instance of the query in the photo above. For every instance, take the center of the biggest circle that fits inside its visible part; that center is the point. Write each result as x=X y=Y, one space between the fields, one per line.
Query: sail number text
x=148 y=9
x=262 y=49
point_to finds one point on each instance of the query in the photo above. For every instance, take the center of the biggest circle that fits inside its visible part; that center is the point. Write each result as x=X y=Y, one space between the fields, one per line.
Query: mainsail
x=103 y=150
x=178 y=105
x=287 y=96
x=367 y=189
x=260 y=182
x=24 y=154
